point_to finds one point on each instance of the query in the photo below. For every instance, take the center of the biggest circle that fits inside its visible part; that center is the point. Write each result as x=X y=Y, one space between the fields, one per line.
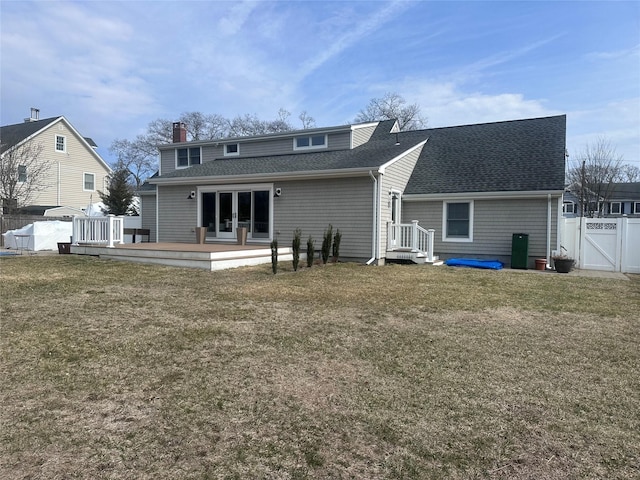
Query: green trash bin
x=520 y=250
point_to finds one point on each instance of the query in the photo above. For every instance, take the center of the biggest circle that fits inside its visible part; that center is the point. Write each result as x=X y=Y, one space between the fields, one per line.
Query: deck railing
x=411 y=237
x=106 y=231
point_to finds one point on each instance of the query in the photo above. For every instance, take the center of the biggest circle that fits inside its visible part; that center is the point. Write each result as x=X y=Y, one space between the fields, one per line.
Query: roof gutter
x=222 y=179
x=421 y=197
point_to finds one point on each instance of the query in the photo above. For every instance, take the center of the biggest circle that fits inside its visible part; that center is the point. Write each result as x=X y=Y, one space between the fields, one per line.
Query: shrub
x=311 y=252
x=326 y=244
x=296 y=248
x=336 y=244
x=274 y=256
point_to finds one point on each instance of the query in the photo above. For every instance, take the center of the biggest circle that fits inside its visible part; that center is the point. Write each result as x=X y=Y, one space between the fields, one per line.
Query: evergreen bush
x=311 y=252
x=295 y=245
x=326 y=244
x=274 y=256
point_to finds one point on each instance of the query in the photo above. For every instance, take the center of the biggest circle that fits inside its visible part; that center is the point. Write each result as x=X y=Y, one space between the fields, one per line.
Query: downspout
x=375 y=217
x=548 y=229
x=58 y=193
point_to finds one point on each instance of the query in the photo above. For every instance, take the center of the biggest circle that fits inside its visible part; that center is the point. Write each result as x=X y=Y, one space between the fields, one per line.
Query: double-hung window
x=457 y=221
x=22 y=173
x=89 y=182
x=309 y=142
x=61 y=144
x=185 y=157
x=636 y=207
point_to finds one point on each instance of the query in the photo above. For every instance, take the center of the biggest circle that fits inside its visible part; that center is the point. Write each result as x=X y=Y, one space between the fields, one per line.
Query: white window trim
x=568 y=204
x=619 y=204
x=248 y=187
x=231 y=154
x=188 y=157
x=84 y=181
x=64 y=140
x=636 y=207
x=444 y=222
x=310 y=147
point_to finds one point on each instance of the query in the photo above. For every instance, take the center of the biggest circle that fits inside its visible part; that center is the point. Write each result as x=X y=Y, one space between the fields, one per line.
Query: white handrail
x=106 y=231
x=411 y=236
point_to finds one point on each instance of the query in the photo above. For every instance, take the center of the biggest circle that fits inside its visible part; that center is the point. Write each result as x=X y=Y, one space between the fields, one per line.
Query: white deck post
x=431 y=234
x=110 y=230
x=414 y=236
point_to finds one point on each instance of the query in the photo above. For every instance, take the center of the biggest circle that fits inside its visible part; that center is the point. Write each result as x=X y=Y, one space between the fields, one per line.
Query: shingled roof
x=513 y=156
x=519 y=155
x=12 y=135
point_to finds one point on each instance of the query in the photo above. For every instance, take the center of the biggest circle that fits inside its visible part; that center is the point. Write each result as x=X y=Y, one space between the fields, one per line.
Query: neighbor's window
x=89 y=181
x=61 y=143
x=569 y=207
x=636 y=207
x=311 y=141
x=457 y=221
x=232 y=149
x=615 y=208
x=22 y=173
x=185 y=157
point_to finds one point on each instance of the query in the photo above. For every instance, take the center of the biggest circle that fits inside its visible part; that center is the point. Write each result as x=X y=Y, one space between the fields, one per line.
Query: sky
x=112 y=67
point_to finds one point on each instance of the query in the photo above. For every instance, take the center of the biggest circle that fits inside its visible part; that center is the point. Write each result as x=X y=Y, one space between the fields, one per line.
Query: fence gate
x=601 y=244
x=609 y=244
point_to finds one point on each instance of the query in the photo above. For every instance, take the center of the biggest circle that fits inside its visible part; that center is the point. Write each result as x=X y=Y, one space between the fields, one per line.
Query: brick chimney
x=179 y=132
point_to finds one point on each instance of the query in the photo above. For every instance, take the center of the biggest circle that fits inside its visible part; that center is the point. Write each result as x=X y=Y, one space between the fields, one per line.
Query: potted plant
x=562 y=263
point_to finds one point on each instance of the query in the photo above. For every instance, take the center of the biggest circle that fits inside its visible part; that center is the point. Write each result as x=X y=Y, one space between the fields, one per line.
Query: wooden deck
x=208 y=256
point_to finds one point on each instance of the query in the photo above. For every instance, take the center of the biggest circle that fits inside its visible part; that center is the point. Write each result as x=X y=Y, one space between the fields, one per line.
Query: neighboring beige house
x=76 y=171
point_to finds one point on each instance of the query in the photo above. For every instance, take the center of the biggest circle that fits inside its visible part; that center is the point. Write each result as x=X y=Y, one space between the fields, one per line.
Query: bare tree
x=23 y=174
x=629 y=173
x=393 y=106
x=594 y=176
x=307 y=120
x=138 y=157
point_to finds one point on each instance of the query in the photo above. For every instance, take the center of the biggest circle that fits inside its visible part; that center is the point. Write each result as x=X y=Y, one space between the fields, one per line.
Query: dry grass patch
x=113 y=370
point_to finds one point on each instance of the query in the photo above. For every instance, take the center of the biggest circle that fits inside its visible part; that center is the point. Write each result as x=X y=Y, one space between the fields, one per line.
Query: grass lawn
x=120 y=371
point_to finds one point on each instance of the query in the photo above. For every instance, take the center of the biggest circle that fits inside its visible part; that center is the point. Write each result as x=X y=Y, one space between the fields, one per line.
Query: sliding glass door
x=224 y=211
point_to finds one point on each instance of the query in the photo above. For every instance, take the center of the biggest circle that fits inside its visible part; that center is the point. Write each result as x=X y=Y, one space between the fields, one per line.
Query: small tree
x=118 y=199
x=335 y=250
x=311 y=251
x=326 y=244
x=295 y=245
x=23 y=174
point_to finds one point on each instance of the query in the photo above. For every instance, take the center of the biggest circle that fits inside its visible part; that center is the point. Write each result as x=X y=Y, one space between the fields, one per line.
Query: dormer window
x=231 y=149
x=309 y=142
x=185 y=157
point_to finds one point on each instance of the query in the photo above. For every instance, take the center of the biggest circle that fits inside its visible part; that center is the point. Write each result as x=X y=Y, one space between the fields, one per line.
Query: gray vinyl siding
x=179 y=214
x=311 y=205
x=395 y=178
x=148 y=214
x=494 y=223
x=167 y=161
x=276 y=146
x=362 y=135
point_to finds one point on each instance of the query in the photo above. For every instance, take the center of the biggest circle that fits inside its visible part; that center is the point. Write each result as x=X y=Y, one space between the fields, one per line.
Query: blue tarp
x=468 y=262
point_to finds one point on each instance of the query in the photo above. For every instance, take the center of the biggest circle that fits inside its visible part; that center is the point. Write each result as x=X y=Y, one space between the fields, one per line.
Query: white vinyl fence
x=609 y=244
